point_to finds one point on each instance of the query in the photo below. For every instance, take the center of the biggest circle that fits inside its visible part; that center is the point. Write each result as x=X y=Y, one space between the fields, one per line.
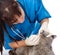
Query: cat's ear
x=53 y=36
x=46 y=34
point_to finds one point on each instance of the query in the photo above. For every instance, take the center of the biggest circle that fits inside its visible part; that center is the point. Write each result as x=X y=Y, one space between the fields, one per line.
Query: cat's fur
x=44 y=48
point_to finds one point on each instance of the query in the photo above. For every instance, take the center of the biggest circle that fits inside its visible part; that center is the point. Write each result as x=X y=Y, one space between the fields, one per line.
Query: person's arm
x=44 y=25
x=30 y=41
x=44 y=20
x=17 y=44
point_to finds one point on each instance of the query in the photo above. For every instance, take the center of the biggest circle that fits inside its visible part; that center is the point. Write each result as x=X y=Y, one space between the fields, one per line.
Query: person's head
x=8 y=10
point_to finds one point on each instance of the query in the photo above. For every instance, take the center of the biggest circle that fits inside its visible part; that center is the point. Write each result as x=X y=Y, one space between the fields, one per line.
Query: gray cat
x=44 y=47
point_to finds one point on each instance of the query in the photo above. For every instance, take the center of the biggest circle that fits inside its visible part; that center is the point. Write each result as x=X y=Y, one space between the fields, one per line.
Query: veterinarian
x=21 y=22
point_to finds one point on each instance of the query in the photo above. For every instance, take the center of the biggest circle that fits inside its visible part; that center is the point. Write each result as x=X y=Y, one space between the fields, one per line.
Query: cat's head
x=46 y=38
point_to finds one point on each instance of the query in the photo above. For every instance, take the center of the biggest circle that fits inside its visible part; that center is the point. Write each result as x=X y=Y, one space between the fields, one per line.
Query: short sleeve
x=7 y=40
x=41 y=12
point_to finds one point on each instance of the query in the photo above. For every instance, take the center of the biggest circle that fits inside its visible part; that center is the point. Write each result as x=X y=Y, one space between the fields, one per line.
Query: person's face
x=20 y=19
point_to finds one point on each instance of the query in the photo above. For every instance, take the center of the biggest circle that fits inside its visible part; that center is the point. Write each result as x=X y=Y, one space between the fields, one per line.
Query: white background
x=53 y=6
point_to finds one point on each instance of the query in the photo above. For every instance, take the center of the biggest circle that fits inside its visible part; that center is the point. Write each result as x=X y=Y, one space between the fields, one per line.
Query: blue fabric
x=36 y=12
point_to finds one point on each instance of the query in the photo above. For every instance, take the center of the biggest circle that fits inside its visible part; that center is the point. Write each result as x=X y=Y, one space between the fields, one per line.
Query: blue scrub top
x=36 y=12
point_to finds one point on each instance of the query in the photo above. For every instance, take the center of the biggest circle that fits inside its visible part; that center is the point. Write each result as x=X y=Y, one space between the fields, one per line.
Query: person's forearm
x=45 y=20
x=17 y=44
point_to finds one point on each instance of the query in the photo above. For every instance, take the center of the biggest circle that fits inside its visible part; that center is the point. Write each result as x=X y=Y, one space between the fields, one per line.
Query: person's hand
x=32 y=40
x=44 y=30
x=44 y=27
